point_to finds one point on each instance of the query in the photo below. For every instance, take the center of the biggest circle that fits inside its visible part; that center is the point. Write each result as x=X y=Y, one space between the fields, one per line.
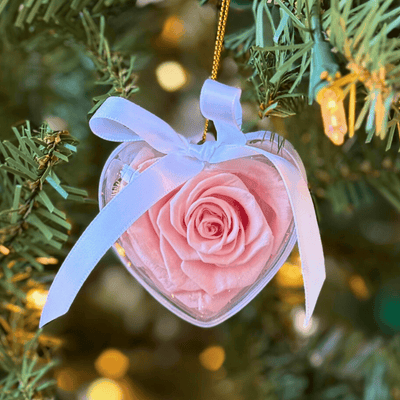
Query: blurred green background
x=118 y=342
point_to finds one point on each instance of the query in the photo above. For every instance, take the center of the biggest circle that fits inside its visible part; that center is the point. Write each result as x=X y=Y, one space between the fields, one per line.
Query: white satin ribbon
x=121 y=120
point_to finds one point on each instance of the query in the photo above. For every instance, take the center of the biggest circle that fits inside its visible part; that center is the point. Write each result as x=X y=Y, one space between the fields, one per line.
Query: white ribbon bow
x=121 y=120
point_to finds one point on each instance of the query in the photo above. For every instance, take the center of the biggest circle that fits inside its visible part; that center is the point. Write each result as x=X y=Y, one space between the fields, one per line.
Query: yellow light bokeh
x=47 y=260
x=104 y=389
x=212 y=358
x=171 y=76
x=112 y=363
x=358 y=287
x=289 y=275
x=4 y=250
x=36 y=298
x=67 y=379
x=292 y=299
x=173 y=30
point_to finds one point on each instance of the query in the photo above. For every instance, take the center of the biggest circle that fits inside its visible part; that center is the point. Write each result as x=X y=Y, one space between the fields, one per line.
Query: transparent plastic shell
x=117 y=173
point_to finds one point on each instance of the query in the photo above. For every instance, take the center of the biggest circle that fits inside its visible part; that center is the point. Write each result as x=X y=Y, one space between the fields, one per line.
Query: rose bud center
x=211 y=225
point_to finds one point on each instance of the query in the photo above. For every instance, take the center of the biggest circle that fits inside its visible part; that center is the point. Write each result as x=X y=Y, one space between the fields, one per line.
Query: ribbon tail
x=308 y=236
x=145 y=190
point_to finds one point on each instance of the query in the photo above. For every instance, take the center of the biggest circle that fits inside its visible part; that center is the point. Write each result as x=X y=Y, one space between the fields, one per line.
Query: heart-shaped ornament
x=202 y=227
x=208 y=248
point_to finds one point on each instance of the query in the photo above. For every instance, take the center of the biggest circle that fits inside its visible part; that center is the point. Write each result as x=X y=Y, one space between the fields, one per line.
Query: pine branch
x=113 y=68
x=32 y=230
x=362 y=35
x=58 y=21
x=274 y=89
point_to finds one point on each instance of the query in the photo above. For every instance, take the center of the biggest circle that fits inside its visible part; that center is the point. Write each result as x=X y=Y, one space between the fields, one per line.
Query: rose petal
x=173 y=265
x=265 y=184
x=202 y=301
x=207 y=246
x=145 y=242
x=175 y=239
x=192 y=190
x=214 y=279
x=246 y=207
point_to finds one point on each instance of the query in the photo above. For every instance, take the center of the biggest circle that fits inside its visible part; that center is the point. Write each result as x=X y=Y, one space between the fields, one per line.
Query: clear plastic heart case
x=209 y=247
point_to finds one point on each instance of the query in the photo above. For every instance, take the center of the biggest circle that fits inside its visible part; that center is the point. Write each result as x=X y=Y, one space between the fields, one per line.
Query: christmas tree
x=324 y=75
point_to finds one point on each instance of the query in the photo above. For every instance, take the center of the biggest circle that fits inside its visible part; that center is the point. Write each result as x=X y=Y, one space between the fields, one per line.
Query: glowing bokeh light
x=358 y=287
x=47 y=260
x=173 y=30
x=171 y=76
x=4 y=250
x=112 y=363
x=67 y=379
x=212 y=358
x=36 y=298
x=289 y=275
x=104 y=389
x=299 y=315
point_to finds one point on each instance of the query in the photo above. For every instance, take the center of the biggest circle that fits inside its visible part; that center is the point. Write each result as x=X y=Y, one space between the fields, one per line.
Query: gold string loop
x=223 y=16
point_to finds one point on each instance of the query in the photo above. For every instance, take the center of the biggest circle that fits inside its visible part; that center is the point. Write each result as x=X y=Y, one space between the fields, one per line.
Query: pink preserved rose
x=210 y=238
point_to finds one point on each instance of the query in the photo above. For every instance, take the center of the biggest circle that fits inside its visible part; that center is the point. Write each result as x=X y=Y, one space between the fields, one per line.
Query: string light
x=171 y=76
x=112 y=363
x=36 y=298
x=333 y=114
x=212 y=358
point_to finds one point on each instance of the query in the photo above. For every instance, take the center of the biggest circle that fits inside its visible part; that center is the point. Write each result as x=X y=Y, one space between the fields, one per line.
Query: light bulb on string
x=333 y=115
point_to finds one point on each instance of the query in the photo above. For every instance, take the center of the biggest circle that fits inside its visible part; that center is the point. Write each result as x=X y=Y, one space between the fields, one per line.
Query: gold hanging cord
x=223 y=16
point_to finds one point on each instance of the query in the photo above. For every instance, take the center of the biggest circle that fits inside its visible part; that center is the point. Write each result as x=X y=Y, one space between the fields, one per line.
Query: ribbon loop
x=221 y=104
x=120 y=120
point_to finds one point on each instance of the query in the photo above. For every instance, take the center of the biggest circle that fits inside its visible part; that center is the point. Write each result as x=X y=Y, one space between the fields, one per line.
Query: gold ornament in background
x=212 y=358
